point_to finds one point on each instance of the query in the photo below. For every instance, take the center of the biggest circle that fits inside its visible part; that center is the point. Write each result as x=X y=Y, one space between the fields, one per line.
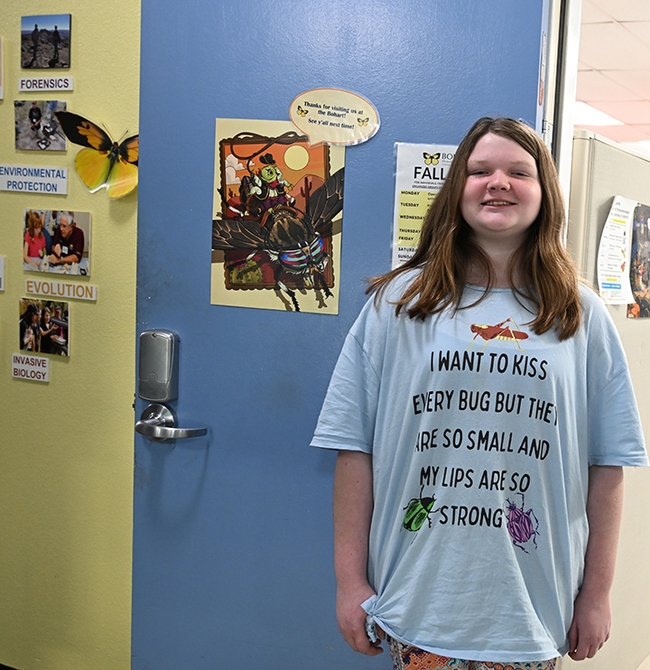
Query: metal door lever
x=157 y=423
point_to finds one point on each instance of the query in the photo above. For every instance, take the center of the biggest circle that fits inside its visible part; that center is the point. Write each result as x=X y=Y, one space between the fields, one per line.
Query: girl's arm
x=353 y=503
x=26 y=257
x=592 y=616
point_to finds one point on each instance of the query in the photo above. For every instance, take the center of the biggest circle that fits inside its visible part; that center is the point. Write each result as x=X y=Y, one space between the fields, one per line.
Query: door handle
x=157 y=423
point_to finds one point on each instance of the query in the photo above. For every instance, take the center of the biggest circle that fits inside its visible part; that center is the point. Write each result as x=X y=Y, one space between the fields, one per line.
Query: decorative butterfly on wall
x=430 y=159
x=302 y=111
x=363 y=122
x=103 y=163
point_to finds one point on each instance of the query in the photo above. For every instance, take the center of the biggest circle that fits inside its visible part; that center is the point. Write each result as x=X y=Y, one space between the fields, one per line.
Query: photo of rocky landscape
x=45 y=41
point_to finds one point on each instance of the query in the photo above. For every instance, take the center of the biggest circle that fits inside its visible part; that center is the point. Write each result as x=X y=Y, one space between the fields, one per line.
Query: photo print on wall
x=36 y=125
x=44 y=326
x=2 y=68
x=45 y=41
x=56 y=241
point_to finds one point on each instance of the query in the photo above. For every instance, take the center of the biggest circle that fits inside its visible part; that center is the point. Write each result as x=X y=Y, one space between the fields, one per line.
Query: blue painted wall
x=232 y=543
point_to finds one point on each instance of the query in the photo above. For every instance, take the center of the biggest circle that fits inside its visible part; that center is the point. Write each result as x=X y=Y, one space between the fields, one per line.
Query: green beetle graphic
x=418 y=511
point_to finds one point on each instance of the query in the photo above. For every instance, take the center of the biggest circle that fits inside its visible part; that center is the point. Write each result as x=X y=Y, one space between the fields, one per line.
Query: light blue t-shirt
x=481 y=435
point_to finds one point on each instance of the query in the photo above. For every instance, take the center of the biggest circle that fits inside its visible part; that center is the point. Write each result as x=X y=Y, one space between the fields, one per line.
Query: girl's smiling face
x=502 y=195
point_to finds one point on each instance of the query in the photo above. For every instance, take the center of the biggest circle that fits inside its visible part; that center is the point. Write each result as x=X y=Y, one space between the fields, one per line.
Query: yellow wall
x=66 y=448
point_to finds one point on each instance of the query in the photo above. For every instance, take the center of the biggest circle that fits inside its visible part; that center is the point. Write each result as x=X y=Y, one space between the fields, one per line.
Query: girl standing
x=482 y=410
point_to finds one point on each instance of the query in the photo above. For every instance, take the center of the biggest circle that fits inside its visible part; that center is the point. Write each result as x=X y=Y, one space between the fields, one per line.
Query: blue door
x=232 y=538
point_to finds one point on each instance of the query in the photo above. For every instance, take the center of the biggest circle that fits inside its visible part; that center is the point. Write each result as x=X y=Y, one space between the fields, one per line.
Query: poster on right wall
x=640 y=263
x=613 y=265
x=419 y=175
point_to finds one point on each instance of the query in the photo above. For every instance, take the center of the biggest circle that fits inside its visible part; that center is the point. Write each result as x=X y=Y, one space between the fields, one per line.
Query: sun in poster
x=277 y=218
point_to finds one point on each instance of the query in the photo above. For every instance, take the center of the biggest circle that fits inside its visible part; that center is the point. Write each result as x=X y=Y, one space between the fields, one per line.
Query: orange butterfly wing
x=130 y=148
x=84 y=132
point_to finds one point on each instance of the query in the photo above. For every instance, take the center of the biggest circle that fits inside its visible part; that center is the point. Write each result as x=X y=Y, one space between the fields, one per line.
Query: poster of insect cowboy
x=277 y=217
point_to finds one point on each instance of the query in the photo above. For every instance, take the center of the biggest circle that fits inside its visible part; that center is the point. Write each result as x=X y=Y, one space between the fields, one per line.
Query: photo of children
x=45 y=41
x=57 y=241
x=36 y=127
x=44 y=326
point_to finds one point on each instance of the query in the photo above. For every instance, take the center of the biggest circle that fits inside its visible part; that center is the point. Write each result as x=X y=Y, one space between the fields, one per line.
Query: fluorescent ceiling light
x=586 y=115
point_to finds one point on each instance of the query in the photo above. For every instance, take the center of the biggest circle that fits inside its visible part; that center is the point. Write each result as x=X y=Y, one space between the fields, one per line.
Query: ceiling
x=614 y=67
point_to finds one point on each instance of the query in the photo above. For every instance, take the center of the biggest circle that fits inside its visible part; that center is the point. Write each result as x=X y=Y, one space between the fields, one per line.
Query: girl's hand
x=351 y=618
x=590 y=626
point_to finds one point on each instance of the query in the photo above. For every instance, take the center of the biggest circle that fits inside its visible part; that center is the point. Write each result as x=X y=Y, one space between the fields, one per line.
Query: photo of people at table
x=45 y=326
x=56 y=241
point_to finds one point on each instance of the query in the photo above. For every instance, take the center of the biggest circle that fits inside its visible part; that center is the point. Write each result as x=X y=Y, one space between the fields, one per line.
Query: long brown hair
x=447 y=248
x=33 y=219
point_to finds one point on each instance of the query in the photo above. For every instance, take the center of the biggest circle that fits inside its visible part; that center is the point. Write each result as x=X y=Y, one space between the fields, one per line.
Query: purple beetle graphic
x=522 y=526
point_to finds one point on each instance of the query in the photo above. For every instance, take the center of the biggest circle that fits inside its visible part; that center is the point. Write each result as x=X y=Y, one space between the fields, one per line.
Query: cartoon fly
x=292 y=241
x=499 y=332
